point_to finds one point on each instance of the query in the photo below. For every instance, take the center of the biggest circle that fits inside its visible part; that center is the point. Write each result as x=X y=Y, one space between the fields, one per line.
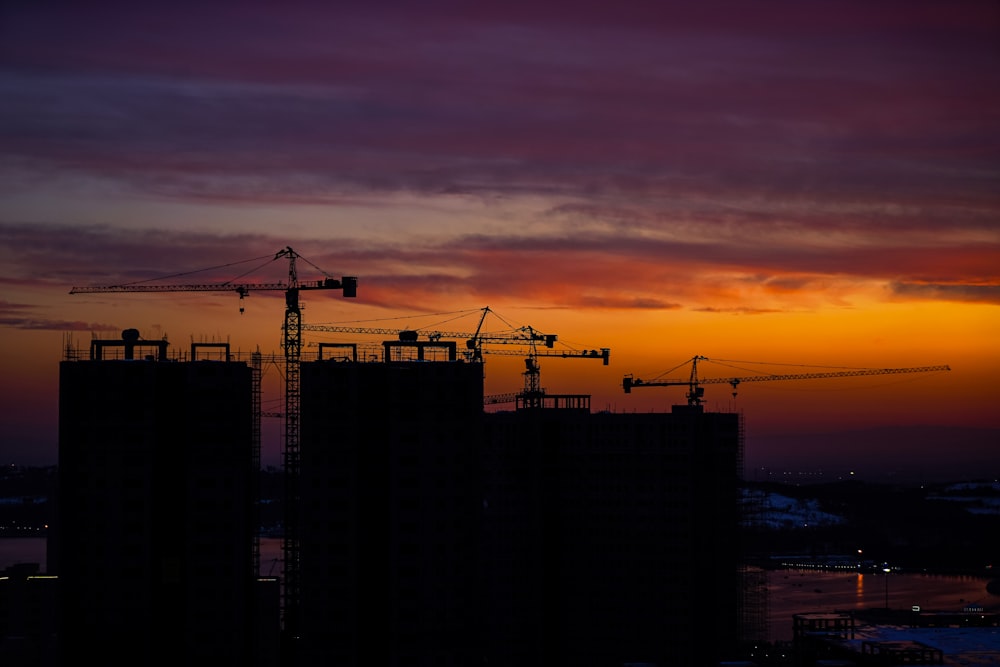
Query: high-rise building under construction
x=391 y=512
x=611 y=539
x=433 y=533
x=427 y=530
x=153 y=536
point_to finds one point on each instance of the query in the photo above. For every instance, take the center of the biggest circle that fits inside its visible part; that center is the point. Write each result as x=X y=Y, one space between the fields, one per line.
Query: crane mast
x=532 y=393
x=696 y=392
x=292 y=346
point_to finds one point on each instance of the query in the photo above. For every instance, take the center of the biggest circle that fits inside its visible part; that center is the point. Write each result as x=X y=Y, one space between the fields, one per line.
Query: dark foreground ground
x=948 y=528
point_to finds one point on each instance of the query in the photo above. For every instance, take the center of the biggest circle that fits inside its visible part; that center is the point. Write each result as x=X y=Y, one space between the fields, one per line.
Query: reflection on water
x=14 y=550
x=801 y=591
x=271 y=556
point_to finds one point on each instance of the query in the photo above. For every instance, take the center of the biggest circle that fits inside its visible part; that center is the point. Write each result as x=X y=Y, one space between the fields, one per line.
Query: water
x=271 y=556
x=802 y=591
x=789 y=591
x=15 y=550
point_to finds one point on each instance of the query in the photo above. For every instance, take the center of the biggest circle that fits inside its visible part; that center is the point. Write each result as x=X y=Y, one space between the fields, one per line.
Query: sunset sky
x=814 y=185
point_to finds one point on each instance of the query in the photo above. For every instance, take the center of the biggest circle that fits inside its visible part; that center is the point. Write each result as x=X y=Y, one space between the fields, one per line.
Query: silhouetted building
x=436 y=534
x=611 y=538
x=426 y=531
x=153 y=538
x=391 y=510
x=27 y=617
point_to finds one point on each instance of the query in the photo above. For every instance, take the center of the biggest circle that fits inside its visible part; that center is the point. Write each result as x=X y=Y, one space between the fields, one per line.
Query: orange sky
x=809 y=189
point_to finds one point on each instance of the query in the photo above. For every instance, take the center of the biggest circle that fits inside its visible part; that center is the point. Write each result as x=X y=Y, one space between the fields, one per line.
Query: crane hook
x=242 y=291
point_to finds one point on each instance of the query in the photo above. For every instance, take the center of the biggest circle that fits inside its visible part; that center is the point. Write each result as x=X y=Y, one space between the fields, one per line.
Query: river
x=801 y=591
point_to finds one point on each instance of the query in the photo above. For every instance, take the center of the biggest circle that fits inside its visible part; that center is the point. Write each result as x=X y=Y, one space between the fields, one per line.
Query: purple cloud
x=315 y=106
x=947 y=292
x=659 y=145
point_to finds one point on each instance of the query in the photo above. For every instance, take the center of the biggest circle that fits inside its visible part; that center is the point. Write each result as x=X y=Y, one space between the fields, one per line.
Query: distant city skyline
x=808 y=186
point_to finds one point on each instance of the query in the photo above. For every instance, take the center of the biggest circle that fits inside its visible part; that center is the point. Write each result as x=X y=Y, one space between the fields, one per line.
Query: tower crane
x=532 y=393
x=292 y=345
x=474 y=341
x=695 y=393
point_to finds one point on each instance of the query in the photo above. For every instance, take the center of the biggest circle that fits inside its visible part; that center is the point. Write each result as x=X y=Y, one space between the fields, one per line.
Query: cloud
x=636 y=303
x=598 y=269
x=652 y=105
x=649 y=157
x=8 y=307
x=738 y=311
x=947 y=292
x=55 y=325
x=20 y=316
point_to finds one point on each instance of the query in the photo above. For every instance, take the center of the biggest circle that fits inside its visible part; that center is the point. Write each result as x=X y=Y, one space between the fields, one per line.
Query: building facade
x=429 y=532
x=611 y=538
x=390 y=512
x=153 y=537
x=434 y=533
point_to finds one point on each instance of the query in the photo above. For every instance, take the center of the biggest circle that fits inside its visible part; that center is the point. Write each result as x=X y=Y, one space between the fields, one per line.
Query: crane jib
x=348 y=283
x=629 y=382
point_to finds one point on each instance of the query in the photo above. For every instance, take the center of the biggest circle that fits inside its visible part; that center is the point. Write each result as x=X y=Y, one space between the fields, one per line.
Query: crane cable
x=770 y=363
x=210 y=268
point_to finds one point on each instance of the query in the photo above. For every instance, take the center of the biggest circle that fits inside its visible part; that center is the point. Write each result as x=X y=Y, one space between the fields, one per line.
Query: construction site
x=425 y=521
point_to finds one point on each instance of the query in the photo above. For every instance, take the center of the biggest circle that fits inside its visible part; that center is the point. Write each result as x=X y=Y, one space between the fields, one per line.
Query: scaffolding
x=753 y=609
x=256 y=371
